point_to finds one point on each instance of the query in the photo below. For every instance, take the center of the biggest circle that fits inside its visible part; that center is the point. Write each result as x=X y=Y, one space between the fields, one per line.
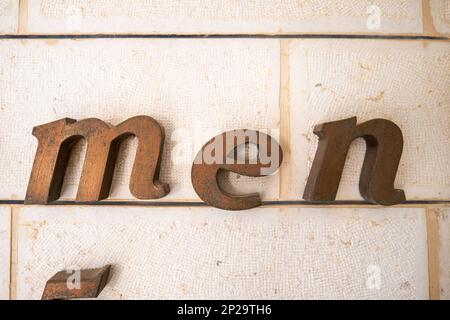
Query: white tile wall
x=403 y=81
x=9 y=16
x=208 y=253
x=195 y=89
x=198 y=88
x=440 y=13
x=223 y=16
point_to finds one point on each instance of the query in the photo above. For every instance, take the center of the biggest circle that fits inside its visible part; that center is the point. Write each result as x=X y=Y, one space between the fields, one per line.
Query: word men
x=383 y=139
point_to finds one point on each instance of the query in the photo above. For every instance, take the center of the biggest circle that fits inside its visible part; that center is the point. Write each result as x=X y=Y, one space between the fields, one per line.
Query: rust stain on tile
x=51 y=42
x=364 y=66
x=184 y=288
x=377 y=98
x=326 y=89
x=347 y=243
x=36 y=227
x=375 y=223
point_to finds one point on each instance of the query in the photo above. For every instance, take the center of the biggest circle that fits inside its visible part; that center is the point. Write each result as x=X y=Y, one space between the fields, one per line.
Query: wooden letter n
x=384 y=145
x=57 y=138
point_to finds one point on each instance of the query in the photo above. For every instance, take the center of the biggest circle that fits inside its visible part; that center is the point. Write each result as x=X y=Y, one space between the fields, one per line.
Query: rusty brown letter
x=384 y=145
x=221 y=153
x=55 y=143
x=76 y=284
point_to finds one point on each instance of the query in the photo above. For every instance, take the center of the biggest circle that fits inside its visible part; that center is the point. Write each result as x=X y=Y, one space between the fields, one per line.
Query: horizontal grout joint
x=221 y=36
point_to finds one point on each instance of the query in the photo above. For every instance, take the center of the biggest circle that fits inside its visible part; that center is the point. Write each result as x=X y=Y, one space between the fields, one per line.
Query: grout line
x=13 y=253
x=140 y=203
x=427 y=19
x=285 y=119
x=23 y=17
x=433 y=244
x=212 y=36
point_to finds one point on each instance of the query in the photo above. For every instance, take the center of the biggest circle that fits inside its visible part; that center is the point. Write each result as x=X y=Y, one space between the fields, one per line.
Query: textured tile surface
x=444 y=255
x=9 y=16
x=194 y=88
x=440 y=12
x=206 y=253
x=198 y=88
x=5 y=245
x=224 y=16
x=406 y=82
